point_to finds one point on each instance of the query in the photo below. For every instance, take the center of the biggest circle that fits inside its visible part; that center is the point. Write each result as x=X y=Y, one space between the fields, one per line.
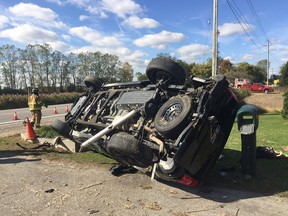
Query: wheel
x=266 y=91
x=61 y=127
x=171 y=118
x=93 y=82
x=167 y=70
x=129 y=150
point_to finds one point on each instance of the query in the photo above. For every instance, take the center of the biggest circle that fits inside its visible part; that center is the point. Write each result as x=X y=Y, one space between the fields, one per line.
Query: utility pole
x=215 y=39
x=268 y=63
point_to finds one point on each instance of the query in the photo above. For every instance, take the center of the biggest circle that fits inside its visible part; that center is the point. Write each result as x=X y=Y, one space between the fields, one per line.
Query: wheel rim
x=172 y=112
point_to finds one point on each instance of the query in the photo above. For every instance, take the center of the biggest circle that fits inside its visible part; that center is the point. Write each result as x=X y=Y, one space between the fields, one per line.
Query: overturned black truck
x=173 y=132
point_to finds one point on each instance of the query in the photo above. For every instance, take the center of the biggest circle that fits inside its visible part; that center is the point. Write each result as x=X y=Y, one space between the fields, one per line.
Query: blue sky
x=137 y=30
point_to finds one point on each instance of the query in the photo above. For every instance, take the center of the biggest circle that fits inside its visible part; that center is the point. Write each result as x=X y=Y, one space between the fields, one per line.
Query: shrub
x=20 y=101
x=242 y=93
x=13 y=101
x=284 y=111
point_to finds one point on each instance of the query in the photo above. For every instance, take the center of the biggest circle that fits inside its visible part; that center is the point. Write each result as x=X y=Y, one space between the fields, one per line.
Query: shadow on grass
x=270 y=179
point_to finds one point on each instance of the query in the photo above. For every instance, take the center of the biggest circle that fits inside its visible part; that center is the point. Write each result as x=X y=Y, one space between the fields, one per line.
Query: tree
x=39 y=66
x=225 y=67
x=9 y=59
x=141 y=77
x=126 y=73
x=110 y=65
x=203 y=70
x=262 y=64
x=31 y=64
x=256 y=74
x=251 y=72
x=283 y=79
x=45 y=51
x=73 y=69
x=165 y=55
x=23 y=69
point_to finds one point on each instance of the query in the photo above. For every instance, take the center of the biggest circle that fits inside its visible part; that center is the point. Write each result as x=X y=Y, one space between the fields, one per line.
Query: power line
x=246 y=23
x=261 y=27
x=243 y=22
x=236 y=14
x=256 y=17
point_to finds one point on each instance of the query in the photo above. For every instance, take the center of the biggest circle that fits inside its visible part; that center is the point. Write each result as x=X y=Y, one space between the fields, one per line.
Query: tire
x=128 y=150
x=266 y=91
x=93 y=82
x=167 y=70
x=61 y=127
x=171 y=118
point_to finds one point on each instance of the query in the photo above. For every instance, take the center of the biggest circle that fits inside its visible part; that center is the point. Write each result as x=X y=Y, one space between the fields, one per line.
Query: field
x=272 y=102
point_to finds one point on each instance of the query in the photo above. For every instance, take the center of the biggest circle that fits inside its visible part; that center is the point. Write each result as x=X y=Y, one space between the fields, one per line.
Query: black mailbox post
x=248 y=120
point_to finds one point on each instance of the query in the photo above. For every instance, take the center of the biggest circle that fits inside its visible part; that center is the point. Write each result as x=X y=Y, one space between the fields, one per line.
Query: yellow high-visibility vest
x=34 y=102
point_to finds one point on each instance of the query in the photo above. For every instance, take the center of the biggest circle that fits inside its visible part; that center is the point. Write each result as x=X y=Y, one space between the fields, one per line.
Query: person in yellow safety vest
x=35 y=106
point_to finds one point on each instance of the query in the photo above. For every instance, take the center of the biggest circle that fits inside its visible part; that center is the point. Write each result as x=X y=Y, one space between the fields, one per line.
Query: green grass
x=46 y=131
x=271 y=174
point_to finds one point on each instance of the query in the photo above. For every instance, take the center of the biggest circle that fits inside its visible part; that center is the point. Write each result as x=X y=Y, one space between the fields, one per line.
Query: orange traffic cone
x=30 y=131
x=67 y=109
x=15 y=117
x=55 y=111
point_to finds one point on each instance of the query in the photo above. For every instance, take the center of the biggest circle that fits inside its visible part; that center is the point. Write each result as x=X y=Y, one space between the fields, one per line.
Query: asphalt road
x=9 y=126
x=6 y=116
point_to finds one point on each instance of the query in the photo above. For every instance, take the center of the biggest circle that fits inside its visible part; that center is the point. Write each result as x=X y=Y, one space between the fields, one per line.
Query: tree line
x=255 y=73
x=52 y=71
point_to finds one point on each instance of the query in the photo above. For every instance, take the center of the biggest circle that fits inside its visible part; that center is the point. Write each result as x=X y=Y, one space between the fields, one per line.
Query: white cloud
x=66 y=37
x=133 y=57
x=280 y=48
x=96 y=10
x=230 y=58
x=32 y=10
x=59 y=2
x=94 y=37
x=284 y=60
x=121 y=8
x=140 y=23
x=34 y=15
x=231 y=29
x=248 y=57
x=29 y=34
x=3 y=21
x=126 y=7
x=60 y=46
x=83 y=17
x=161 y=40
x=124 y=54
x=192 y=52
x=79 y=3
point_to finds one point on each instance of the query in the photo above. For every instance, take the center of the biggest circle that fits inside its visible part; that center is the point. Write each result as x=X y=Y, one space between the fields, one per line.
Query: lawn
x=271 y=174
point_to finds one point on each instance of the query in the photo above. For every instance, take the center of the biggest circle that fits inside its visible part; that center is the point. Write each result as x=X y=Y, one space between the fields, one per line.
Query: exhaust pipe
x=108 y=129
